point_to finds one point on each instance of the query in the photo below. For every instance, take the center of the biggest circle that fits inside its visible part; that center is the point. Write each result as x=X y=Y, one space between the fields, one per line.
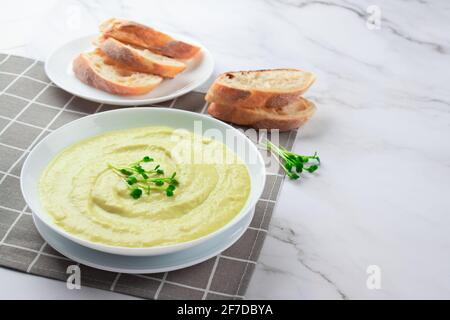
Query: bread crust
x=143 y=36
x=224 y=94
x=85 y=72
x=286 y=118
x=130 y=58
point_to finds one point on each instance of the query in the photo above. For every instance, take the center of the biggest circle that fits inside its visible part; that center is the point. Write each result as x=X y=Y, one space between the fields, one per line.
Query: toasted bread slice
x=140 y=35
x=93 y=69
x=140 y=60
x=285 y=118
x=262 y=88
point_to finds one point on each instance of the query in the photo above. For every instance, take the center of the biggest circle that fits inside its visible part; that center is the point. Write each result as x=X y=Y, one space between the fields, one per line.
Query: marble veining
x=382 y=129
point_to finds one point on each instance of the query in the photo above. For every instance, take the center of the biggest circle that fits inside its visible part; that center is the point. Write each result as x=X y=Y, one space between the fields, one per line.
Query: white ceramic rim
x=155 y=250
x=134 y=102
x=239 y=231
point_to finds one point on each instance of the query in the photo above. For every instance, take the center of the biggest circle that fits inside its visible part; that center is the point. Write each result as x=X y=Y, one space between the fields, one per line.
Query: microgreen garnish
x=293 y=164
x=131 y=180
x=126 y=172
x=169 y=190
x=136 y=193
x=159 y=182
x=138 y=179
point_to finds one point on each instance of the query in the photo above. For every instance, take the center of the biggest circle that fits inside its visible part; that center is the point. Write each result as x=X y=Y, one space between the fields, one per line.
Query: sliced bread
x=260 y=88
x=140 y=35
x=285 y=118
x=94 y=69
x=140 y=60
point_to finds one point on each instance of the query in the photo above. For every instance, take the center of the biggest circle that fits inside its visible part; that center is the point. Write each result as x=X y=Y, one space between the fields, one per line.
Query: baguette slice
x=262 y=88
x=286 y=118
x=140 y=35
x=140 y=60
x=92 y=68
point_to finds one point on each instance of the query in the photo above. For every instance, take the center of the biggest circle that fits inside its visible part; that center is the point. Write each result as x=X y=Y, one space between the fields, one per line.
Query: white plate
x=59 y=69
x=127 y=118
x=153 y=264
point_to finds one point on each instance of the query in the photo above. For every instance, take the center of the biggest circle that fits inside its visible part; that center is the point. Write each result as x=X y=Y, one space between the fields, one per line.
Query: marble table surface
x=374 y=223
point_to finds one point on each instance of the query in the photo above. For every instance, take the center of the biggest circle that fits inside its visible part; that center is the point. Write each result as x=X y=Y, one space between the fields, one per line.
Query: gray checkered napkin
x=30 y=108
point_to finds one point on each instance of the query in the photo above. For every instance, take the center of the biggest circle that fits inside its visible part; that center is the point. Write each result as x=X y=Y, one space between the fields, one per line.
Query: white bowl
x=99 y=123
x=143 y=264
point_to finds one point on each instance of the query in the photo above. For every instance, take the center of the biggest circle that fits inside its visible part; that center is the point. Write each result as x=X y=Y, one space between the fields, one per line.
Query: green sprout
x=138 y=179
x=293 y=164
x=136 y=193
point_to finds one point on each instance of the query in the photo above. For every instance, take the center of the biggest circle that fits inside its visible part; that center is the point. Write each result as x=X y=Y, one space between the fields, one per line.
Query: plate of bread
x=129 y=63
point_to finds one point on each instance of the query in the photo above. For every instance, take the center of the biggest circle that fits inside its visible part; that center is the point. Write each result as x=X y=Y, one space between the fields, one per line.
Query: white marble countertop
x=382 y=129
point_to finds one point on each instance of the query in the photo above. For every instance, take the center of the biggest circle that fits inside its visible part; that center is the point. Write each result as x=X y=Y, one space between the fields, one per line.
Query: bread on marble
x=288 y=117
x=140 y=60
x=261 y=88
x=94 y=69
x=143 y=36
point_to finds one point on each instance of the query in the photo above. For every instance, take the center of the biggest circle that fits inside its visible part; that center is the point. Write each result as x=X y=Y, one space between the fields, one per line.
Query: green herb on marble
x=293 y=164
